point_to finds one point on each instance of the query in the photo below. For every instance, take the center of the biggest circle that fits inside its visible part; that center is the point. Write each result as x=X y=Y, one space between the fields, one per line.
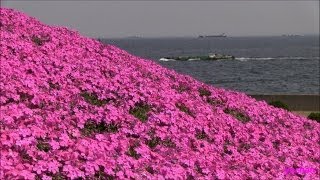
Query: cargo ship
x=213 y=36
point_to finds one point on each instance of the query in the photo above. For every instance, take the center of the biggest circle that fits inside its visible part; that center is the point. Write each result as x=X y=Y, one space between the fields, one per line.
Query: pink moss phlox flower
x=73 y=108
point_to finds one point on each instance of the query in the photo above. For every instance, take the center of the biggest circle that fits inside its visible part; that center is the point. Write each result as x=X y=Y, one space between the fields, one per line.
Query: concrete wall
x=295 y=102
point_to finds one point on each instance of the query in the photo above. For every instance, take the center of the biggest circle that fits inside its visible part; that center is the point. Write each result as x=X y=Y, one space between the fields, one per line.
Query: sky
x=112 y=19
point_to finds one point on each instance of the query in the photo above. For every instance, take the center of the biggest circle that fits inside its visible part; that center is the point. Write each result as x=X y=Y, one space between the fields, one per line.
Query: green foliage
x=43 y=145
x=112 y=127
x=92 y=127
x=153 y=142
x=183 y=108
x=133 y=136
x=232 y=133
x=225 y=147
x=133 y=153
x=244 y=147
x=37 y=40
x=29 y=71
x=198 y=167
x=89 y=128
x=59 y=176
x=182 y=88
x=93 y=99
x=150 y=170
x=25 y=96
x=315 y=116
x=276 y=144
x=238 y=115
x=279 y=104
x=214 y=102
x=101 y=175
x=204 y=92
x=190 y=177
x=201 y=134
x=25 y=156
x=168 y=143
x=140 y=111
x=54 y=85
x=40 y=40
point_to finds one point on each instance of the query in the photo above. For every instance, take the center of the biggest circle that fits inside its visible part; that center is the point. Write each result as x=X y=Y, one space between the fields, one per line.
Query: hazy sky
x=176 y=18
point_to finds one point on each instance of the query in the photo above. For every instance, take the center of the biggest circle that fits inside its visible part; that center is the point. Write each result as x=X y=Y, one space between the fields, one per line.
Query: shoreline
x=298 y=103
x=304 y=113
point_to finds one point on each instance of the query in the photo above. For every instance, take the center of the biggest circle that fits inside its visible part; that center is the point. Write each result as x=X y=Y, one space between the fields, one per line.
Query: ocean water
x=263 y=65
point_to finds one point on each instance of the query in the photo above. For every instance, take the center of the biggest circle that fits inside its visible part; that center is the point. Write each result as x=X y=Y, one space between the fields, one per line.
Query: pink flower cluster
x=73 y=108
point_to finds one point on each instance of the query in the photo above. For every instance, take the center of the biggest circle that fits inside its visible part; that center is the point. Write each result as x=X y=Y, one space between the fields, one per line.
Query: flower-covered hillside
x=73 y=108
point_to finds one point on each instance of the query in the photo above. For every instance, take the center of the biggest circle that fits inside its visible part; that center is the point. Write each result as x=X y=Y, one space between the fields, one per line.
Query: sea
x=262 y=65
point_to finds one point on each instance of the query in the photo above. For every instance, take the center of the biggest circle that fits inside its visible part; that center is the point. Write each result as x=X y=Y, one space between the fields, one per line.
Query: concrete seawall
x=295 y=102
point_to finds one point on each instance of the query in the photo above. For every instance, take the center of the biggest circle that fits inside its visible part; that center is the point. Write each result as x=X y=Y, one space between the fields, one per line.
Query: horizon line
x=193 y=36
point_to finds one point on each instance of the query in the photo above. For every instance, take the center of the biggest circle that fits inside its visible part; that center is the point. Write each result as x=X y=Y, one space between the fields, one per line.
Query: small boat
x=210 y=57
x=220 y=56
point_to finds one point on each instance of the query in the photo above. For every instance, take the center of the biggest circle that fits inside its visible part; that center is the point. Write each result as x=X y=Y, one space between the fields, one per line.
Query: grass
x=168 y=143
x=93 y=99
x=153 y=142
x=276 y=144
x=140 y=111
x=204 y=92
x=238 y=115
x=43 y=145
x=25 y=96
x=309 y=114
x=201 y=134
x=54 y=85
x=183 y=108
x=315 y=116
x=182 y=88
x=25 y=156
x=214 y=102
x=101 y=175
x=92 y=127
x=225 y=147
x=243 y=147
x=133 y=153
x=279 y=104
x=150 y=170
x=38 y=41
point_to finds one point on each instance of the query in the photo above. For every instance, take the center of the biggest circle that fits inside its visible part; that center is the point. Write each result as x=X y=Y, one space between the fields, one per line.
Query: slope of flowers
x=73 y=108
